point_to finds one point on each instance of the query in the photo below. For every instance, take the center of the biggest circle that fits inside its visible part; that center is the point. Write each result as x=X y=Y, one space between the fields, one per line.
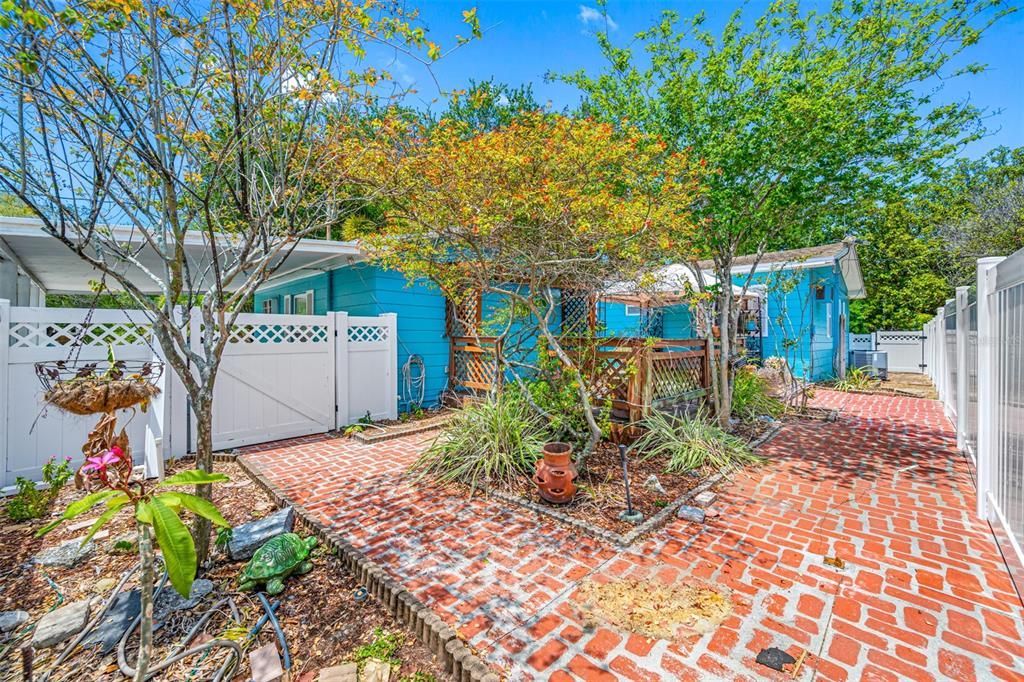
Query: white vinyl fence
x=281 y=376
x=975 y=351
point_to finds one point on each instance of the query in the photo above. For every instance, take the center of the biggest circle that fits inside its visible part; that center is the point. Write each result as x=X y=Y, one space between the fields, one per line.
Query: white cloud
x=590 y=16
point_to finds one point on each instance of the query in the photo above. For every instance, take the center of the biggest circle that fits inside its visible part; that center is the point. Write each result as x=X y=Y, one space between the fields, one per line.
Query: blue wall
x=366 y=290
x=799 y=325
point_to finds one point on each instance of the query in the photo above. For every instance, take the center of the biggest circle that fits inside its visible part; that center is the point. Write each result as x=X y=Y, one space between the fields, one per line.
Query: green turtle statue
x=278 y=558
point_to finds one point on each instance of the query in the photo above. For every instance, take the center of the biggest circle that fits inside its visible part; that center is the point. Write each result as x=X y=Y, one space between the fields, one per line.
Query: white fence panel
x=31 y=432
x=367 y=367
x=904 y=347
x=281 y=376
x=276 y=379
x=862 y=342
x=975 y=351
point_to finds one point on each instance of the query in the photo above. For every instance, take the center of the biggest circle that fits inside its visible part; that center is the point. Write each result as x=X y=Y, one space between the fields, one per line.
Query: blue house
x=797 y=309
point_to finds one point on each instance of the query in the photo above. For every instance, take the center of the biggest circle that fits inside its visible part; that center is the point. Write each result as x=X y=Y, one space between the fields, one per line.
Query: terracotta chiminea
x=555 y=473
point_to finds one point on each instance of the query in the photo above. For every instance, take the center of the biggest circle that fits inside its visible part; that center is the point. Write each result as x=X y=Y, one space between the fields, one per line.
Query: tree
x=538 y=206
x=800 y=115
x=185 y=119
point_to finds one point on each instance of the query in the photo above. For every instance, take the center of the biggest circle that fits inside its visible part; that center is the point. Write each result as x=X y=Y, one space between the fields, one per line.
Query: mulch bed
x=601 y=495
x=323 y=621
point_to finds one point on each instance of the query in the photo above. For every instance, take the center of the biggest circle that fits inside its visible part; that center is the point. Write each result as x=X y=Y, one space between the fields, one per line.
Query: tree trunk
x=146 y=602
x=588 y=410
x=724 y=407
x=204 y=461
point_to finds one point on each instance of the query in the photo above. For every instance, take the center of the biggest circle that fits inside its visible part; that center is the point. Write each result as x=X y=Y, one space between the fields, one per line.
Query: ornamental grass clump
x=751 y=398
x=495 y=441
x=690 y=443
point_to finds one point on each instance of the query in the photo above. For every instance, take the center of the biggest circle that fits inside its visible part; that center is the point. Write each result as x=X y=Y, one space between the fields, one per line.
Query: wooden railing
x=634 y=375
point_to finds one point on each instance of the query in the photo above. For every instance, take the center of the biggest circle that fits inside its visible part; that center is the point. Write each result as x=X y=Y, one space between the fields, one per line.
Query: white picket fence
x=975 y=353
x=281 y=376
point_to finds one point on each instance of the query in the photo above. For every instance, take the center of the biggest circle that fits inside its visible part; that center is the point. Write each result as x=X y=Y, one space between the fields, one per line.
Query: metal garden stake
x=630 y=515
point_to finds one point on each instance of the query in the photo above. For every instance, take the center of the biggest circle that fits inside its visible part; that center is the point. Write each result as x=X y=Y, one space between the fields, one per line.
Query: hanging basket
x=99 y=388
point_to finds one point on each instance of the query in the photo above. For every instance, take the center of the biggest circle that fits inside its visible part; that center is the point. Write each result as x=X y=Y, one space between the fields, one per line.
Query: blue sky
x=524 y=39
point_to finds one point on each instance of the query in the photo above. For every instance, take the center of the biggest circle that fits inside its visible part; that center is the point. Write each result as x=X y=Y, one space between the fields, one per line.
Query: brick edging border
x=457 y=659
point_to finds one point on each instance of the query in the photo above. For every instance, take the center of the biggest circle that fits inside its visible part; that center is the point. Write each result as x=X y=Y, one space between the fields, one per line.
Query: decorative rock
x=375 y=671
x=118 y=618
x=705 y=499
x=775 y=658
x=692 y=514
x=65 y=555
x=61 y=624
x=346 y=672
x=249 y=537
x=652 y=483
x=170 y=601
x=265 y=664
x=12 y=620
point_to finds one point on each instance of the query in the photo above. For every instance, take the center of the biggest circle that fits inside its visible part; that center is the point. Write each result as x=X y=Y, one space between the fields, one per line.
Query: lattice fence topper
x=278 y=333
x=367 y=334
x=915 y=338
x=66 y=334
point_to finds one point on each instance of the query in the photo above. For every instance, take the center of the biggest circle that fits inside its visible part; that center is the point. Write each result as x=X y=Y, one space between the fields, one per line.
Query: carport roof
x=57 y=269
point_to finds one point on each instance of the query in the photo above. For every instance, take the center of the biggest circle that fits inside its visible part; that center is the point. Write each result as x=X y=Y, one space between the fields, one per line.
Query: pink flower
x=100 y=463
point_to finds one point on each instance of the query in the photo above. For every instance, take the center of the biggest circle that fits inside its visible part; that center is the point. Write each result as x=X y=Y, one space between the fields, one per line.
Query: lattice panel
x=64 y=334
x=474 y=369
x=367 y=334
x=578 y=314
x=278 y=333
x=463 y=316
x=675 y=376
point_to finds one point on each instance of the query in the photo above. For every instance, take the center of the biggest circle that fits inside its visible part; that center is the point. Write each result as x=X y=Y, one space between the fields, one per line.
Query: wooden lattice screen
x=579 y=312
x=463 y=315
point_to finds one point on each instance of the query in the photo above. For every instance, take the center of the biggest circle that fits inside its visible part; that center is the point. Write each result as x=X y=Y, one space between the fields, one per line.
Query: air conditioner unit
x=875 y=362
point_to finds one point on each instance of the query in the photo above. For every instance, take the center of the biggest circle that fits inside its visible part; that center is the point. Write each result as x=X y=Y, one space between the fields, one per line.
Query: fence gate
x=276 y=379
x=905 y=349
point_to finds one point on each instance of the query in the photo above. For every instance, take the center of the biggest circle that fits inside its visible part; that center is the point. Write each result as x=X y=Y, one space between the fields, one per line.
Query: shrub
x=750 y=397
x=30 y=502
x=690 y=443
x=498 y=439
x=856 y=379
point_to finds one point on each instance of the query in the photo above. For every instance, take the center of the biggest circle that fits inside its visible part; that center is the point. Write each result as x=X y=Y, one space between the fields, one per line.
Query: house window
x=633 y=310
x=270 y=305
x=302 y=304
x=287 y=304
x=828 y=320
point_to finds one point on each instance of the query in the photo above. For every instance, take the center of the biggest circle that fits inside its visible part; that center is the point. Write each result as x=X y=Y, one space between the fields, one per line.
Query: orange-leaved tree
x=543 y=204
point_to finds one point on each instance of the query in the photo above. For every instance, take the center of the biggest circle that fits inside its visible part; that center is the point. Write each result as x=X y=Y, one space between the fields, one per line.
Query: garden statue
x=278 y=558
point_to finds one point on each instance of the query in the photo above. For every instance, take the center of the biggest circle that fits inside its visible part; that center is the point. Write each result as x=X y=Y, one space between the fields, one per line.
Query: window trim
x=828 y=320
x=270 y=305
x=638 y=308
x=308 y=298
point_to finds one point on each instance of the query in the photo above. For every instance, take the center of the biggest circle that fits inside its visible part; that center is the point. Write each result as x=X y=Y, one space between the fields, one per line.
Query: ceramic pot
x=555 y=473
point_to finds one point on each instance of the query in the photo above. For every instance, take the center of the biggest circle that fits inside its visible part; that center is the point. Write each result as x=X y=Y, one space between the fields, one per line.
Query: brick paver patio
x=924 y=594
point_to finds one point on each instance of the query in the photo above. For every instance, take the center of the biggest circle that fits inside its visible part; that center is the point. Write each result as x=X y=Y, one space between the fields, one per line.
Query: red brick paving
x=923 y=595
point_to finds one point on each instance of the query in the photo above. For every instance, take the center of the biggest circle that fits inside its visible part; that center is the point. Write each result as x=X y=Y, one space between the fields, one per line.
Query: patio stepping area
x=920 y=591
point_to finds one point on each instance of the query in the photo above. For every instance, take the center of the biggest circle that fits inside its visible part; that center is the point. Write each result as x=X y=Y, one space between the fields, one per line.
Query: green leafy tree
x=800 y=114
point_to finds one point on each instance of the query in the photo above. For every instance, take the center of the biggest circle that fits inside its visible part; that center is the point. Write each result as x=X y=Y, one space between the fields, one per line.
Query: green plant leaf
x=78 y=507
x=194 y=477
x=114 y=505
x=177 y=546
x=143 y=514
x=197 y=505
